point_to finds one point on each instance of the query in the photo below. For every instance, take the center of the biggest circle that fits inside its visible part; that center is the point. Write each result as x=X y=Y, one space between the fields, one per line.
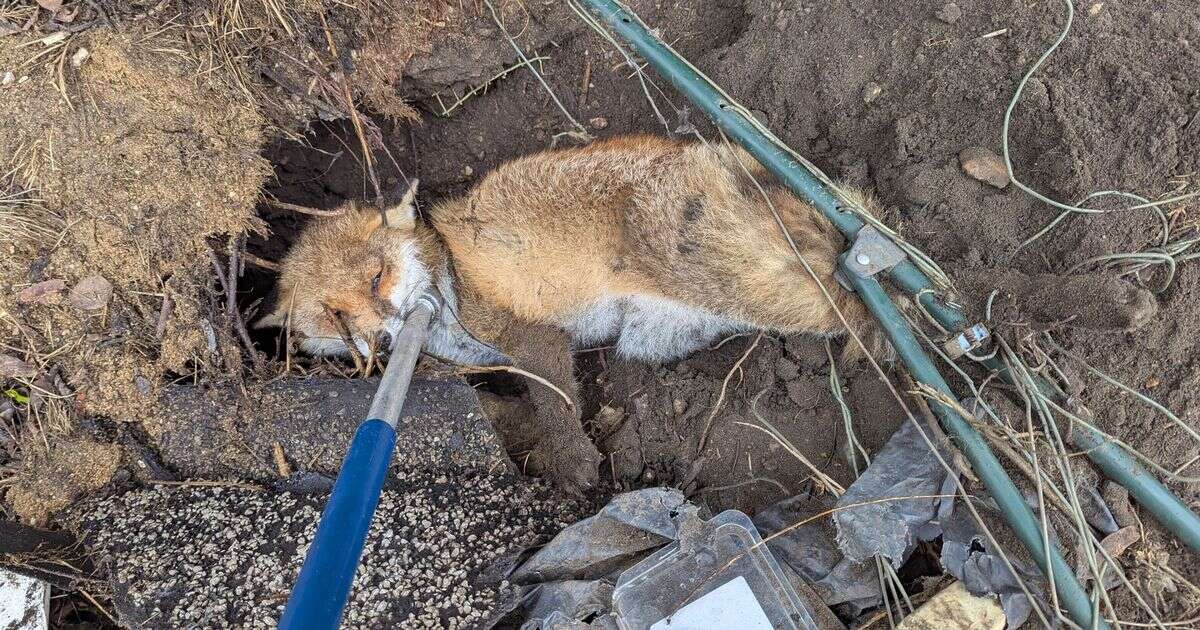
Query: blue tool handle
x=321 y=591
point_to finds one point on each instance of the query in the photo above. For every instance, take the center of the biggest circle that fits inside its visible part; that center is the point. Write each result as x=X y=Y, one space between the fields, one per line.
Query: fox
x=659 y=246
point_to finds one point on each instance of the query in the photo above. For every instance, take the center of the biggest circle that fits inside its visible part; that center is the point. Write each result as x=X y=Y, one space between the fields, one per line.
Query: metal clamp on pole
x=320 y=594
x=870 y=253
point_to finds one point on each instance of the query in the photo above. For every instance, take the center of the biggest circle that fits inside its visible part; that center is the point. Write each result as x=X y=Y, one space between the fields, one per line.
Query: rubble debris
x=44 y=292
x=950 y=13
x=12 y=367
x=955 y=608
x=91 y=294
x=1117 y=542
x=871 y=91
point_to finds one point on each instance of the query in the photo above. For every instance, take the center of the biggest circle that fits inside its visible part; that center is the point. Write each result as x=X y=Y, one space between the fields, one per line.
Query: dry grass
x=23 y=218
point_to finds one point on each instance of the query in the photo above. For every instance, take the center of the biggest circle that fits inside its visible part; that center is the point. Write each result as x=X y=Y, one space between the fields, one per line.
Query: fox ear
x=271 y=320
x=404 y=214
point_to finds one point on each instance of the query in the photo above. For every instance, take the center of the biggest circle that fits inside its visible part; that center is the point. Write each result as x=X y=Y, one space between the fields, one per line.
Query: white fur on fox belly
x=651 y=329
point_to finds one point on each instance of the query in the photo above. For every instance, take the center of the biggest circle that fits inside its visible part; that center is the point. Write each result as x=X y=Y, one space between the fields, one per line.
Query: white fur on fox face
x=331 y=346
x=413 y=282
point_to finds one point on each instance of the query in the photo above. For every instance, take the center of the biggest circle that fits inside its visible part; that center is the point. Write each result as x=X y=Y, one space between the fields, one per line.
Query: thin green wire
x=1069 y=209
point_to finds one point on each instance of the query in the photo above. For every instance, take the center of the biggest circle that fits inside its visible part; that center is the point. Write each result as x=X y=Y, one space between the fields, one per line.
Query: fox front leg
x=563 y=450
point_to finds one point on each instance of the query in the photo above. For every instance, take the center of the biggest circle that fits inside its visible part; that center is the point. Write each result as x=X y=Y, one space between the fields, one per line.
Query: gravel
x=226 y=557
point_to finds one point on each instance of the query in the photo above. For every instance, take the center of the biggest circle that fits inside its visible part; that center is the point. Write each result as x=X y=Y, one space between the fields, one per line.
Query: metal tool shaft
x=321 y=591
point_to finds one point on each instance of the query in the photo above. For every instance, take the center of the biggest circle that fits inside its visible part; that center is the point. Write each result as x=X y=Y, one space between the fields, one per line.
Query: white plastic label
x=731 y=606
x=24 y=602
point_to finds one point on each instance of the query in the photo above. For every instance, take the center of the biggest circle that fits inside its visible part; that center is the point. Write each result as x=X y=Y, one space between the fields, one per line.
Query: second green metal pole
x=975 y=449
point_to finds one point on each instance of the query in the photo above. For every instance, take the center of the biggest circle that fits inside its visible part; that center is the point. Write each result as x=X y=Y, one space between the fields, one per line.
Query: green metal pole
x=973 y=446
x=1114 y=461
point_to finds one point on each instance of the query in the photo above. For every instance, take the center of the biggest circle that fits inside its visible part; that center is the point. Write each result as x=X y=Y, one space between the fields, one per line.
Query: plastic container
x=717 y=576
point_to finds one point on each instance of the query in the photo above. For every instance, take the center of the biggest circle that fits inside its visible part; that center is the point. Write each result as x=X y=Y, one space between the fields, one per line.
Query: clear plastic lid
x=718 y=576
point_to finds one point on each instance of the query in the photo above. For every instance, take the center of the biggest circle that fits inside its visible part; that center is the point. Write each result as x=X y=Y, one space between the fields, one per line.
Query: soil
x=159 y=162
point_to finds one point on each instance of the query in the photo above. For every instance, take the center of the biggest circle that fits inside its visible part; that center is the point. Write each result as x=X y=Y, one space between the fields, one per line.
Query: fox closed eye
x=375 y=282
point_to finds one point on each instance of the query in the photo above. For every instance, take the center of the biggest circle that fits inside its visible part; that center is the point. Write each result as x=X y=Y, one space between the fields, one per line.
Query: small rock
x=950 y=13
x=12 y=367
x=956 y=609
x=468 y=171
x=1095 y=9
x=9 y=78
x=55 y=38
x=984 y=165
x=1117 y=542
x=871 y=91
x=1153 y=382
x=680 y=406
x=598 y=122
x=44 y=292
x=91 y=294
x=79 y=57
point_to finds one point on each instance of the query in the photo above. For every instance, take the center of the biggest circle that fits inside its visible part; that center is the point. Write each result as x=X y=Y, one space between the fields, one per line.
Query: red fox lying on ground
x=660 y=245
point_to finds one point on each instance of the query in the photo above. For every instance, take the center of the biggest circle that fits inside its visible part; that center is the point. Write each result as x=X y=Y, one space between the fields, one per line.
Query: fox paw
x=572 y=466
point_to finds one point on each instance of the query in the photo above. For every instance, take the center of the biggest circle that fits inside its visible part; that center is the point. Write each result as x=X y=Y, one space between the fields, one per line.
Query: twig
x=721 y=397
x=348 y=339
x=580 y=131
x=281 y=462
x=164 y=314
x=303 y=209
x=344 y=82
x=587 y=80
x=483 y=87
x=95 y=603
x=231 y=307
x=768 y=428
x=469 y=369
x=747 y=482
x=261 y=262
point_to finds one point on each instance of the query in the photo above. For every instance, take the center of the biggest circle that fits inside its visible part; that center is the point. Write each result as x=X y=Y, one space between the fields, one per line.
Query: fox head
x=352 y=273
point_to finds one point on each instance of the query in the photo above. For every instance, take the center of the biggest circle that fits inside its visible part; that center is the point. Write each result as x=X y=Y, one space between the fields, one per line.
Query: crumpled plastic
x=969 y=556
x=560 y=605
x=904 y=467
x=630 y=524
x=811 y=550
